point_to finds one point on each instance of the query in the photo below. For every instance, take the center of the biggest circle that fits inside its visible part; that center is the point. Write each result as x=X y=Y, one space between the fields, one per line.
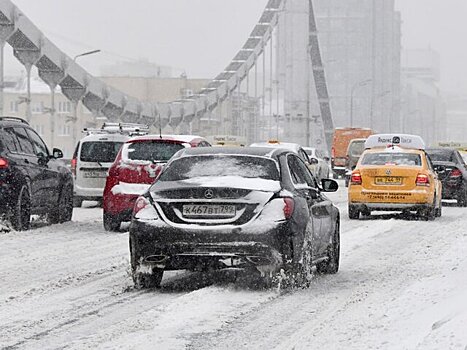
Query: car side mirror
x=314 y=161
x=329 y=185
x=57 y=153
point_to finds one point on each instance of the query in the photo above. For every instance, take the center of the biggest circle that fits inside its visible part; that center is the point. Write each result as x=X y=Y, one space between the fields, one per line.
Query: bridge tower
x=306 y=101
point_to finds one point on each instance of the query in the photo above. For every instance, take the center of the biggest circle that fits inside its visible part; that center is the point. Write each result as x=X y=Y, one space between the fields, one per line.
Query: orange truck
x=340 y=143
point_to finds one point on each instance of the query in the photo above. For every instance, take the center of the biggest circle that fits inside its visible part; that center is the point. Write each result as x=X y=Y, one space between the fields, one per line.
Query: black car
x=255 y=209
x=452 y=171
x=32 y=181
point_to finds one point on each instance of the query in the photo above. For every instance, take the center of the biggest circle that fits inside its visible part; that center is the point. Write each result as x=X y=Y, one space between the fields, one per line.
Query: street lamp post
x=86 y=53
x=372 y=105
x=352 y=91
x=74 y=118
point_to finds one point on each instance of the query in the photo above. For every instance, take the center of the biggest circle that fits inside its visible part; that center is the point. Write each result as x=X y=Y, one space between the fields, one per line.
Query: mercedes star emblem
x=208 y=194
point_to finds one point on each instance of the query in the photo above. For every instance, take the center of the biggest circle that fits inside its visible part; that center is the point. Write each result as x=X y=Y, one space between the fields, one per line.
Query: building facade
x=236 y=116
x=423 y=110
x=361 y=47
x=57 y=127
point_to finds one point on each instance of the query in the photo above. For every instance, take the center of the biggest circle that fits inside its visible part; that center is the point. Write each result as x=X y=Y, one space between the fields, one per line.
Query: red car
x=136 y=167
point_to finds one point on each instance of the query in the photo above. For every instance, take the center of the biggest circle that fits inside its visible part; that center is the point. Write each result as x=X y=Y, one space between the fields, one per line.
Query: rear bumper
x=120 y=205
x=173 y=248
x=340 y=170
x=387 y=200
x=452 y=191
x=390 y=206
x=88 y=193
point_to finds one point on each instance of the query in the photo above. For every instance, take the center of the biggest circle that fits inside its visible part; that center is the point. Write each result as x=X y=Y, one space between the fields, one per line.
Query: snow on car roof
x=285 y=145
x=232 y=151
x=181 y=138
x=105 y=137
x=400 y=140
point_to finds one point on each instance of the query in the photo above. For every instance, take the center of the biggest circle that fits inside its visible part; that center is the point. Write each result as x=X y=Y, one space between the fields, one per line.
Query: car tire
x=354 y=212
x=143 y=280
x=462 y=199
x=77 y=202
x=64 y=209
x=428 y=213
x=331 y=266
x=111 y=222
x=148 y=280
x=20 y=214
x=366 y=212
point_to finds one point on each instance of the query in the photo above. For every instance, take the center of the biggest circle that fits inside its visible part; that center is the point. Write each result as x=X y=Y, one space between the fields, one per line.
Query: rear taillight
x=455 y=173
x=3 y=163
x=140 y=204
x=143 y=209
x=289 y=206
x=114 y=171
x=74 y=163
x=356 y=178
x=422 y=180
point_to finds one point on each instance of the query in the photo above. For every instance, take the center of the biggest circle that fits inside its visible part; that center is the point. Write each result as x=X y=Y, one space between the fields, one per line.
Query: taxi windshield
x=401 y=159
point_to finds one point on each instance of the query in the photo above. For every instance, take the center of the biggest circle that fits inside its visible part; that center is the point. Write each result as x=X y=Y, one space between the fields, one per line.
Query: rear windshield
x=99 y=151
x=409 y=159
x=356 y=148
x=221 y=165
x=154 y=151
x=441 y=155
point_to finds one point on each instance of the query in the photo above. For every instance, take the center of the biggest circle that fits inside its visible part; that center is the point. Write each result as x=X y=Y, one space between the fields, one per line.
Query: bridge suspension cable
x=32 y=47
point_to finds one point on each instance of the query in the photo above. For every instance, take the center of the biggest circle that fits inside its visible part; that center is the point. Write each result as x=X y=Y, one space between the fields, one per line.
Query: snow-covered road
x=402 y=285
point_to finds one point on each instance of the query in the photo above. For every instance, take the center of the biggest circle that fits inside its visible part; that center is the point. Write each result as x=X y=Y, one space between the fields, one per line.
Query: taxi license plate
x=95 y=174
x=195 y=210
x=388 y=180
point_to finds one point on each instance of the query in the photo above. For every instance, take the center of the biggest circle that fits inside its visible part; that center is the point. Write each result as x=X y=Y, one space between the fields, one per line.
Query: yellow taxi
x=394 y=174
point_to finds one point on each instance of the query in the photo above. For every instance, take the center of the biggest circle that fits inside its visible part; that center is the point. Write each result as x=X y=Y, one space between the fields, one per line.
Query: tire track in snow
x=337 y=311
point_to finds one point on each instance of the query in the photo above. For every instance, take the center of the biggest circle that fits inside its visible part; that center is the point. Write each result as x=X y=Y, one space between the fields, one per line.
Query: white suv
x=93 y=156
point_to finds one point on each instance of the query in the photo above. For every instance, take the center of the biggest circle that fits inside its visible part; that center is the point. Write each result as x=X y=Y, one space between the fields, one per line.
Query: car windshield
x=356 y=148
x=98 y=151
x=441 y=155
x=464 y=156
x=154 y=151
x=220 y=165
x=386 y=158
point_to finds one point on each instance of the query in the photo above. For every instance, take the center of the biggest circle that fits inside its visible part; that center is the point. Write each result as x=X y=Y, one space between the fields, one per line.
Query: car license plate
x=195 y=210
x=95 y=174
x=388 y=180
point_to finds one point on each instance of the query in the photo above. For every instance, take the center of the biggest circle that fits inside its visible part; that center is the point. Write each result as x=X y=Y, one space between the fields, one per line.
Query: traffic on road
x=233 y=226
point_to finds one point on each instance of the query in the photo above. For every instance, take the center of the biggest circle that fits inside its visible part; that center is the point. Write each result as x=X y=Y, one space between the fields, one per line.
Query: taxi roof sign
x=400 y=140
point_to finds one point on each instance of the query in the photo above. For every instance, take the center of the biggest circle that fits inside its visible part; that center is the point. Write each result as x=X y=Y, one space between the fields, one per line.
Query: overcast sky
x=201 y=36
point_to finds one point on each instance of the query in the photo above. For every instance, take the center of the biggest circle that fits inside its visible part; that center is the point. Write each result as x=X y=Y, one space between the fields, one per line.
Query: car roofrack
x=16 y=119
x=131 y=129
